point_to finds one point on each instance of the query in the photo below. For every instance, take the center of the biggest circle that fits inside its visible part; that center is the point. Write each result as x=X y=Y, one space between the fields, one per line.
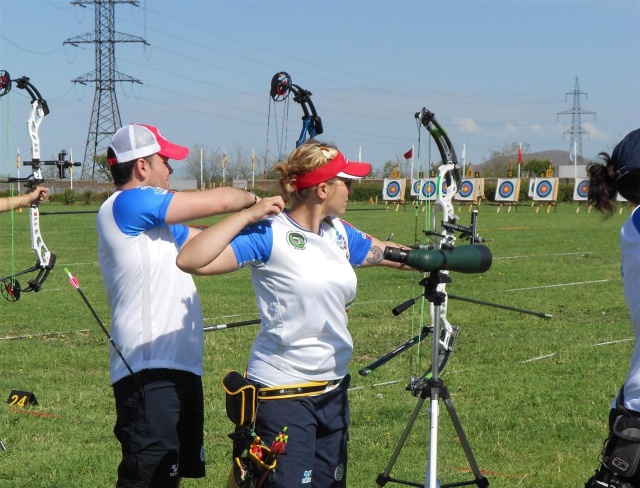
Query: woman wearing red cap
x=621 y=174
x=301 y=262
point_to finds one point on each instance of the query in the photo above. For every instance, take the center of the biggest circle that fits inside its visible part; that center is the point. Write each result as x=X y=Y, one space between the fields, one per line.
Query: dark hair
x=121 y=172
x=603 y=186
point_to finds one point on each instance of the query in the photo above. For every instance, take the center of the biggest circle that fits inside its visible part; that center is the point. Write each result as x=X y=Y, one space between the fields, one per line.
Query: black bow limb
x=281 y=87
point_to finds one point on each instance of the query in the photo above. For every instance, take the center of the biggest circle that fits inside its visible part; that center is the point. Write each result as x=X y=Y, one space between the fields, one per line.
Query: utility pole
x=105 y=116
x=576 y=129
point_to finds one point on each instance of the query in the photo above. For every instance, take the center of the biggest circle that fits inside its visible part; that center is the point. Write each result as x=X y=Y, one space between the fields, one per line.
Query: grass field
x=532 y=394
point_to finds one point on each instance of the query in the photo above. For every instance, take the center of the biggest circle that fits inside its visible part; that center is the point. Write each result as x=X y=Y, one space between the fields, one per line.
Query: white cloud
x=594 y=133
x=538 y=129
x=508 y=130
x=467 y=126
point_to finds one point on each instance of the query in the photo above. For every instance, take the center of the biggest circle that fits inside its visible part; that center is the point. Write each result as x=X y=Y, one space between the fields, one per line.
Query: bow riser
x=37 y=243
x=33 y=126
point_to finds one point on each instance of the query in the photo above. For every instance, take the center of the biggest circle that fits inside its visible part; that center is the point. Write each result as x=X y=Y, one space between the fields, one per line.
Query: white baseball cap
x=139 y=141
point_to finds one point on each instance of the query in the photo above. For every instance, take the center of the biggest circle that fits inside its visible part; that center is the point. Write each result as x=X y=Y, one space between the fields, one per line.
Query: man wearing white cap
x=156 y=319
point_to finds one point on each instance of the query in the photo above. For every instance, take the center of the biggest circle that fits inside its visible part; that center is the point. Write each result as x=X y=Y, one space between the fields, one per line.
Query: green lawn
x=532 y=394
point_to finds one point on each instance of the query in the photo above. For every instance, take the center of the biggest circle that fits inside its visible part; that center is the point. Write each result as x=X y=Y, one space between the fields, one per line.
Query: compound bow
x=448 y=181
x=447 y=186
x=9 y=286
x=281 y=87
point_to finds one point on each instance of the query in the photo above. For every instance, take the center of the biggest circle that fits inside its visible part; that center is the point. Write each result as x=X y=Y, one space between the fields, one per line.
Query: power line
x=105 y=116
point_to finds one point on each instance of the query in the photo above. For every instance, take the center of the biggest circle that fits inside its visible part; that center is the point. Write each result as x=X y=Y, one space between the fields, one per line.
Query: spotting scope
x=472 y=258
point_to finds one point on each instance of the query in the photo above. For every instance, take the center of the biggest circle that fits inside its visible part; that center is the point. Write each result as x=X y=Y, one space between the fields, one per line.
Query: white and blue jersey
x=304 y=284
x=156 y=319
x=630 y=264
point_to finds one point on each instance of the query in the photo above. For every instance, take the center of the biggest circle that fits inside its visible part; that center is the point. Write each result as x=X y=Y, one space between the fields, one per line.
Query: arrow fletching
x=73 y=281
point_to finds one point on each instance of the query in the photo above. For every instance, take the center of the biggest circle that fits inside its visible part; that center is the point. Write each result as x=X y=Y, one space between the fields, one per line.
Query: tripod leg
x=432 y=463
x=481 y=481
x=383 y=478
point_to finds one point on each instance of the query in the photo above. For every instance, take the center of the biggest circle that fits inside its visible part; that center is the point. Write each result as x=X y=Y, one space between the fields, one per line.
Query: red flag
x=519 y=155
x=408 y=154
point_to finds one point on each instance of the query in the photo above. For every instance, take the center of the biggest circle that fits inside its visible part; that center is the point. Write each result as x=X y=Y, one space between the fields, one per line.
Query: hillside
x=498 y=165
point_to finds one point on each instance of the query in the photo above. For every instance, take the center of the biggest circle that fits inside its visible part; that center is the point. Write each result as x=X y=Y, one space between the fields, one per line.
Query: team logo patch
x=296 y=240
x=339 y=473
x=307 y=477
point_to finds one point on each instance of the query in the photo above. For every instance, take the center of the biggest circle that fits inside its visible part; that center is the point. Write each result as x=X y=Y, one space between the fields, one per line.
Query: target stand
x=507 y=193
x=586 y=205
x=393 y=190
x=469 y=193
x=545 y=193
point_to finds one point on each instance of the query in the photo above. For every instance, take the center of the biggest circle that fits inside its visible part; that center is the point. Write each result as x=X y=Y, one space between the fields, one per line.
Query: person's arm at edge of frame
x=186 y=206
x=209 y=252
x=38 y=193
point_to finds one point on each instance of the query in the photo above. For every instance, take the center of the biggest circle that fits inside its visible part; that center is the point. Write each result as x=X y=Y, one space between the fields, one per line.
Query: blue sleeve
x=180 y=233
x=359 y=244
x=144 y=208
x=636 y=220
x=253 y=244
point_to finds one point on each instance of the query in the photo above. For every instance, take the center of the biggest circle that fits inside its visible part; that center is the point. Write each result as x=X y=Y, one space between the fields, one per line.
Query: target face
x=429 y=189
x=506 y=190
x=582 y=189
x=415 y=188
x=544 y=188
x=393 y=189
x=467 y=190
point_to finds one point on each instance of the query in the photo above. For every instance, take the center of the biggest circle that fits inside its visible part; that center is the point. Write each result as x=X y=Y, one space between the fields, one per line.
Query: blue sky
x=493 y=72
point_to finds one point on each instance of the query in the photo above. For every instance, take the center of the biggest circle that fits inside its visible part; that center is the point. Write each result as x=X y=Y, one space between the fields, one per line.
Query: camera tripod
x=435 y=389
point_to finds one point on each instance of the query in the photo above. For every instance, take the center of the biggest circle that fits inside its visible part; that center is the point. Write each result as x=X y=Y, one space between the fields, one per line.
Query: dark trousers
x=160 y=428
x=317 y=426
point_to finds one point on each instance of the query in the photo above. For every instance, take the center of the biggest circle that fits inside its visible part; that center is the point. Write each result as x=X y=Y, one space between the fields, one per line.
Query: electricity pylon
x=105 y=116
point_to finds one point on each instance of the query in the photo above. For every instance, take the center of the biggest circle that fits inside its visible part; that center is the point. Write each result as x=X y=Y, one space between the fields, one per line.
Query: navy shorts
x=317 y=426
x=161 y=431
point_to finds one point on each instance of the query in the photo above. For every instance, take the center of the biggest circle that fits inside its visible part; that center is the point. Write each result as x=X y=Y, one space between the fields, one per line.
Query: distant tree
x=195 y=169
x=237 y=166
x=388 y=167
x=535 y=167
x=101 y=169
